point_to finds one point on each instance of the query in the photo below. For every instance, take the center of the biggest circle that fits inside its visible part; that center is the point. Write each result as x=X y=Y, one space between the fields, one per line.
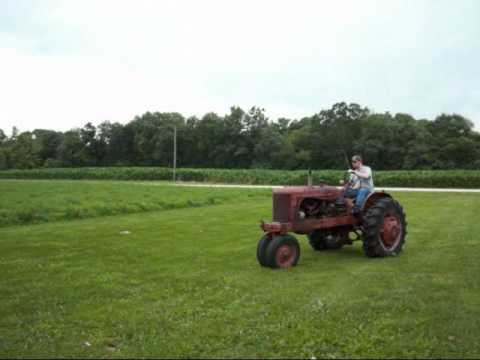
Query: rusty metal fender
x=374 y=196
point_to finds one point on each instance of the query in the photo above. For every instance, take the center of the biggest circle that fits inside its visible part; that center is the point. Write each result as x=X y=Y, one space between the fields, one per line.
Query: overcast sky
x=65 y=63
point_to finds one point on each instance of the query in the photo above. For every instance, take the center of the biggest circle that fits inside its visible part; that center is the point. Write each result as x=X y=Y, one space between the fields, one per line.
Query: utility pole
x=174 y=151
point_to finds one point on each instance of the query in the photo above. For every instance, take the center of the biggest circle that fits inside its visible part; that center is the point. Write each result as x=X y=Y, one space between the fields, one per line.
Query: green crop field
x=136 y=269
x=399 y=178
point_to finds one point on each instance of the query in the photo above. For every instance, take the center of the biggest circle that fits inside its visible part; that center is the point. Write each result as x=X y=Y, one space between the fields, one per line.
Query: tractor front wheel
x=283 y=251
x=262 y=249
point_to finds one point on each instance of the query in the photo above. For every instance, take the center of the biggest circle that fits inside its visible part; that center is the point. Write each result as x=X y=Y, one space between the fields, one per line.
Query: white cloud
x=77 y=61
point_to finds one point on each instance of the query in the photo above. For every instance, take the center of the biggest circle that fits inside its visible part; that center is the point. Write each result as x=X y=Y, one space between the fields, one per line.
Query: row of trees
x=250 y=140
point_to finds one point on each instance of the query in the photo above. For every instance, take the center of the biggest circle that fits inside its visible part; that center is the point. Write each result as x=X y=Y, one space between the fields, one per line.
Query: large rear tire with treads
x=384 y=228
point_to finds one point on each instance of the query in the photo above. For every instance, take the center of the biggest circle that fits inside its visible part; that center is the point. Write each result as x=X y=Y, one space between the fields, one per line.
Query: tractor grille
x=281 y=207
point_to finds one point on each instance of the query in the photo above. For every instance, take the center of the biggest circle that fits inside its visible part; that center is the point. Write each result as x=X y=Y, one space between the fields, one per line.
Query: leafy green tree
x=282 y=125
x=4 y=158
x=452 y=142
x=451 y=126
x=207 y=137
x=70 y=151
x=188 y=154
x=297 y=144
x=3 y=155
x=249 y=139
x=377 y=137
x=153 y=137
x=334 y=132
x=413 y=143
x=269 y=152
x=91 y=152
x=234 y=148
x=476 y=139
x=115 y=143
x=22 y=154
x=45 y=144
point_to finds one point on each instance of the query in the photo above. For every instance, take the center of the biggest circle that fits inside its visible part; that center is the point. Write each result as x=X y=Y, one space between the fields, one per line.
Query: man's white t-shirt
x=365 y=177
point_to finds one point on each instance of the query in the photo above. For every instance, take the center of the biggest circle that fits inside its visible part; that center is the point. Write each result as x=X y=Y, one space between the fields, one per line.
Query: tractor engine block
x=317 y=208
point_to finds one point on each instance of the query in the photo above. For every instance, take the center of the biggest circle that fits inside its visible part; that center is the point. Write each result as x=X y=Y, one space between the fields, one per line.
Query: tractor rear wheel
x=321 y=240
x=384 y=228
x=283 y=251
x=262 y=249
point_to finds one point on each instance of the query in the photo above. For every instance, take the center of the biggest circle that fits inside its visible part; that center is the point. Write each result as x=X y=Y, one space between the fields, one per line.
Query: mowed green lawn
x=184 y=282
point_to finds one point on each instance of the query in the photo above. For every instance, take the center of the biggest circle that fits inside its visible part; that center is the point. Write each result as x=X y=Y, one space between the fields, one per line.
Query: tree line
x=248 y=139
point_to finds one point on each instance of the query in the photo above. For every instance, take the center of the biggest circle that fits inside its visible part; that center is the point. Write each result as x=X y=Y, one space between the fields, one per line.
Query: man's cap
x=356 y=158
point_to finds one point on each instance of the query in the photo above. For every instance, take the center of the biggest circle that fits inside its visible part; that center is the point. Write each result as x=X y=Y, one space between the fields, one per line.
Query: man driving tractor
x=323 y=214
x=361 y=183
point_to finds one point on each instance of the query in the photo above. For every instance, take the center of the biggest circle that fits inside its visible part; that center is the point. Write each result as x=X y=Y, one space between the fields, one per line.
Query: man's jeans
x=359 y=194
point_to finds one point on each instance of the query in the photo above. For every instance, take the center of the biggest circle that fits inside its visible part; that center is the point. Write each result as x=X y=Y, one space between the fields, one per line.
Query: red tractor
x=325 y=216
